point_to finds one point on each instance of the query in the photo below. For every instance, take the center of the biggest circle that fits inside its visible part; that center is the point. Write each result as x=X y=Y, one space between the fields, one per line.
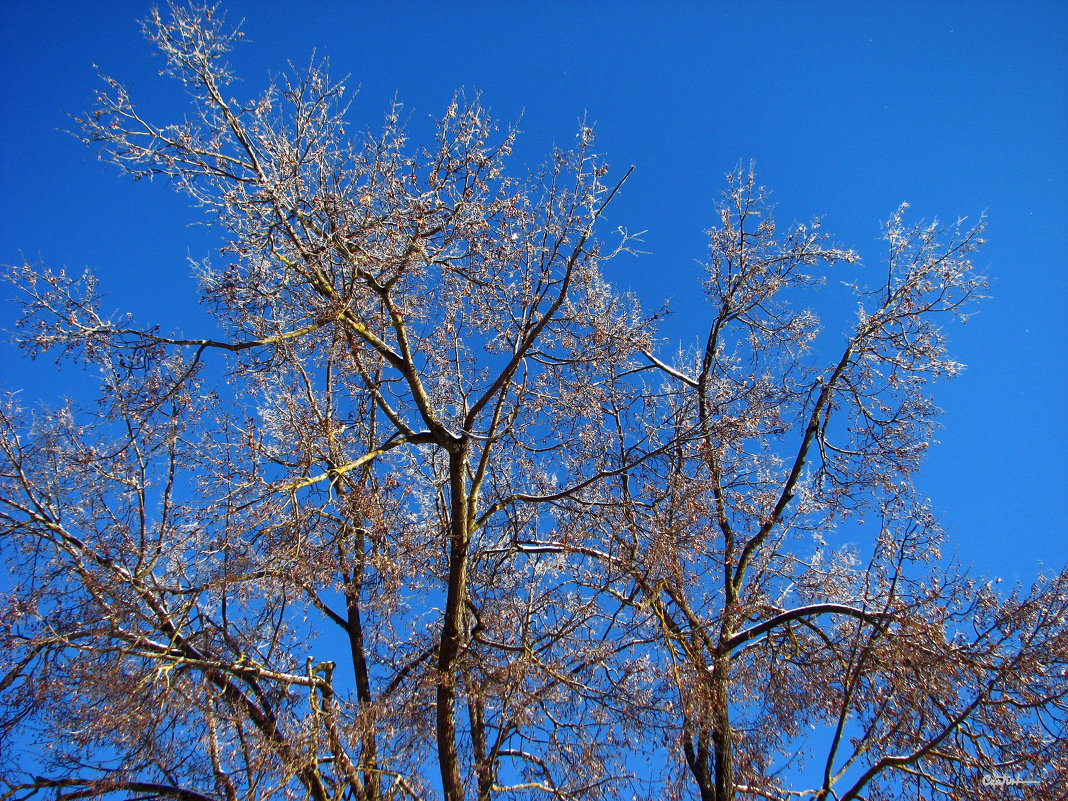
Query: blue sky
x=848 y=109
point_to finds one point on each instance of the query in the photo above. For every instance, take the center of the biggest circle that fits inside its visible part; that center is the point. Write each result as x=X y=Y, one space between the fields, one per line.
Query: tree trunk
x=372 y=780
x=722 y=749
x=697 y=759
x=459 y=537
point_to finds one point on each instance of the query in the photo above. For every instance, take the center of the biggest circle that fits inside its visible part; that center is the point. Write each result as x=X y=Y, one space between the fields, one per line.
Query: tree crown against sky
x=434 y=512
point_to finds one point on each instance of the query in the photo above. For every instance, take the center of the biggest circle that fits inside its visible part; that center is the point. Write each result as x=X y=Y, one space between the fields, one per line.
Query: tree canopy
x=436 y=512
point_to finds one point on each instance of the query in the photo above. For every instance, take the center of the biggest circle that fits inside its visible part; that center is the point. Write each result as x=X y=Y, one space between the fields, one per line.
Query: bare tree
x=430 y=440
x=923 y=681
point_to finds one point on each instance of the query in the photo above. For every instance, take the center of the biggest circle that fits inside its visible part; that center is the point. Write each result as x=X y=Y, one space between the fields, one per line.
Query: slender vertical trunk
x=459 y=537
x=722 y=747
x=483 y=763
x=372 y=780
x=712 y=768
x=723 y=753
x=697 y=759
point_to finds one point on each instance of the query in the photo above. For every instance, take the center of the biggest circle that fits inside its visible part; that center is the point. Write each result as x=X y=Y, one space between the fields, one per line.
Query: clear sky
x=848 y=109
